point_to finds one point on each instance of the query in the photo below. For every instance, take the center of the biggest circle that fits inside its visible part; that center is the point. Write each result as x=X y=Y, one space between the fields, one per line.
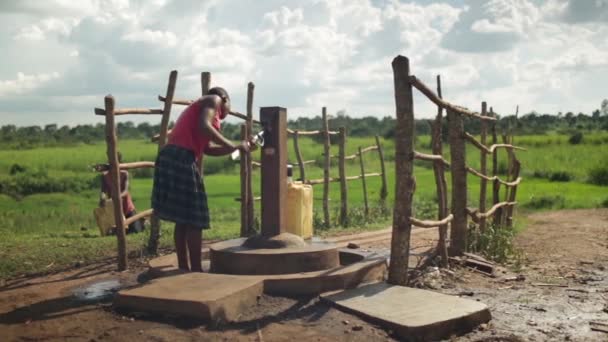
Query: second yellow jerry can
x=299 y=209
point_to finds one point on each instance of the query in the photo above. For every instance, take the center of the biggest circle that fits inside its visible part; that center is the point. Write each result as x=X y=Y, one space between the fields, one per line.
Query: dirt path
x=564 y=247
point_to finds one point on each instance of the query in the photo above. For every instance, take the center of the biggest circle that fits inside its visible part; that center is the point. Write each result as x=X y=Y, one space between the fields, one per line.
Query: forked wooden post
x=483 y=169
x=244 y=186
x=458 y=233
x=363 y=183
x=404 y=165
x=326 y=166
x=249 y=123
x=162 y=141
x=343 y=180
x=383 y=189
x=296 y=147
x=440 y=182
x=119 y=218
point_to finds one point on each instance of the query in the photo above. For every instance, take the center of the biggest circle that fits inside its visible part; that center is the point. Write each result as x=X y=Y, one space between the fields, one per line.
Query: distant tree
x=604 y=107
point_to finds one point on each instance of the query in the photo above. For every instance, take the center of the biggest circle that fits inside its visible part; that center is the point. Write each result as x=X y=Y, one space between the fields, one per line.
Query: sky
x=61 y=57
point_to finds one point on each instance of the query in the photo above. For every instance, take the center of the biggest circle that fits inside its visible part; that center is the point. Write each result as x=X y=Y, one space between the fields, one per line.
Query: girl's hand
x=244 y=146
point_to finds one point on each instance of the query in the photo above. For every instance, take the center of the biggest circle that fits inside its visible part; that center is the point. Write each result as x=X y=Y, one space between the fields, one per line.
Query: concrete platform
x=307 y=283
x=413 y=314
x=233 y=257
x=209 y=297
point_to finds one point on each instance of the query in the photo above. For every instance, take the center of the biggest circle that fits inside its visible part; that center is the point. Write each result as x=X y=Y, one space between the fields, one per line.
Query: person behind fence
x=178 y=194
x=128 y=207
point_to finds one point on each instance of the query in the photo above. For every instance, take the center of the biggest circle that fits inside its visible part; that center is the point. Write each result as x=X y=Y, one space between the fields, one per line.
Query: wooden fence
x=114 y=167
x=405 y=154
x=343 y=179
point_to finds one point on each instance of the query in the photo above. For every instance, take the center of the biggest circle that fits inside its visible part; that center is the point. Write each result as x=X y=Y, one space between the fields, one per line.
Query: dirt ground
x=560 y=290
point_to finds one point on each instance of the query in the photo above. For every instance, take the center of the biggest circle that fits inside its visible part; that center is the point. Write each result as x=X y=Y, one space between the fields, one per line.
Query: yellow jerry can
x=105 y=218
x=299 y=209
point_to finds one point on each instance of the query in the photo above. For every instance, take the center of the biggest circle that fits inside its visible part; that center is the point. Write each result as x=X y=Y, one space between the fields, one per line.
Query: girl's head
x=223 y=94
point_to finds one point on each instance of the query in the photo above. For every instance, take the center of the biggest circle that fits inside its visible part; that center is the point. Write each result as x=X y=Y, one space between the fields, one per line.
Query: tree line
x=24 y=137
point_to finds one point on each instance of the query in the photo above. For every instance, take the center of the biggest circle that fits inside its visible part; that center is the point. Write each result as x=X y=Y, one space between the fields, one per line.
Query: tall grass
x=58 y=228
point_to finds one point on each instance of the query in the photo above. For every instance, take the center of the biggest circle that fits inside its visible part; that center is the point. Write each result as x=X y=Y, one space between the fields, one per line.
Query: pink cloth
x=187 y=132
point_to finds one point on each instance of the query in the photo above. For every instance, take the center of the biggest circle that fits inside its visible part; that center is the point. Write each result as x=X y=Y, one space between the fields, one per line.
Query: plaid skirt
x=178 y=194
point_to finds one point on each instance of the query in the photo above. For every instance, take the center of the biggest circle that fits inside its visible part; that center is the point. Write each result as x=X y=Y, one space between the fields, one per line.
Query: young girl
x=179 y=194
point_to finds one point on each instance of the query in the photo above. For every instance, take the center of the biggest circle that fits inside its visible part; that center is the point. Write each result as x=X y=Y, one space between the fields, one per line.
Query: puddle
x=97 y=291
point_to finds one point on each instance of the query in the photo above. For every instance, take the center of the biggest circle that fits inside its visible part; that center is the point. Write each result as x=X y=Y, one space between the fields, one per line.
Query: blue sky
x=61 y=57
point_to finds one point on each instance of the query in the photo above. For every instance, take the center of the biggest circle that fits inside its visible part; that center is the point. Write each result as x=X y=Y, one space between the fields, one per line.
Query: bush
x=576 y=138
x=604 y=203
x=16 y=168
x=495 y=243
x=599 y=174
x=28 y=183
x=554 y=176
x=546 y=202
x=560 y=176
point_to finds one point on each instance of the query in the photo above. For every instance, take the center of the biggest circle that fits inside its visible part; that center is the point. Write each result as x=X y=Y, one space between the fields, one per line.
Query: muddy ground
x=554 y=297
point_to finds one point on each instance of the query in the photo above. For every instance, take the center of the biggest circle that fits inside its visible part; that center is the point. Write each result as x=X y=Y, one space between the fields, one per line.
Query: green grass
x=44 y=232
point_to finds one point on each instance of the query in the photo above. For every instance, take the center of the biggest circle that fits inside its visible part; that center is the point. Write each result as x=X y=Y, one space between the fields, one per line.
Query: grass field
x=47 y=231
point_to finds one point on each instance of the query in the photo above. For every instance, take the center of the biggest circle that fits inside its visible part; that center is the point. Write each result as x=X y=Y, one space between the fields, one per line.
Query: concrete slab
x=338 y=278
x=210 y=297
x=414 y=314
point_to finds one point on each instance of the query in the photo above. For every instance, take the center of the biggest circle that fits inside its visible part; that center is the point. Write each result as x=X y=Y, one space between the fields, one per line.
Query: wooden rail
x=317 y=132
x=363 y=150
x=493 y=178
x=189 y=102
x=431 y=224
x=138 y=216
x=338 y=179
x=125 y=111
x=476 y=215
x=431 y=157
x=492 y=148
x=124 y=166
x=444 y=104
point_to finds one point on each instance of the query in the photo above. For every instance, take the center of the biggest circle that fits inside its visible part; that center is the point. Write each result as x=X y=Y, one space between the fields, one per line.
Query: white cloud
x=303 y=54
x=25 y=83
x=152 y=37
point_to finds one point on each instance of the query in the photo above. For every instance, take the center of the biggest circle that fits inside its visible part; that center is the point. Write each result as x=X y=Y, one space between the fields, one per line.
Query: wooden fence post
x=363 y=183
x=383 y=190
x=496 y=183
x=458 y=233
x=404 y=167
x=205 y=82
x=162 y=140
x=249 y=123
x=483 y=169
x=343 y=181
x=326 y=166
x=244 y=187
x=512 y=194
x=205 y=86
x=440 y=182
x=296 y=147
x=119 y=218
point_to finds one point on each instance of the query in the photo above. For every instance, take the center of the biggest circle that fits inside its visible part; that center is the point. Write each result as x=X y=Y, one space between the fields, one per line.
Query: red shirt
x=187 y=132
